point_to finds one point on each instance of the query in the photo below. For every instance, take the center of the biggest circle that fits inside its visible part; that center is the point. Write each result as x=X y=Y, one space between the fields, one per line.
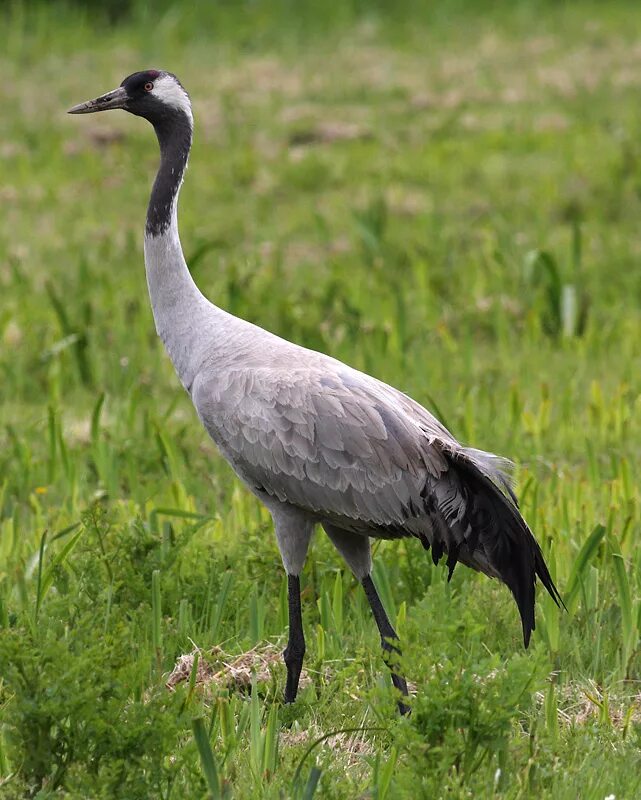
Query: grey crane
x=313 y=439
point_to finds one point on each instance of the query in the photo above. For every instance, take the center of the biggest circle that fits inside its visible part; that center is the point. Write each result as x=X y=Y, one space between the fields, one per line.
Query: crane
x=316 y=441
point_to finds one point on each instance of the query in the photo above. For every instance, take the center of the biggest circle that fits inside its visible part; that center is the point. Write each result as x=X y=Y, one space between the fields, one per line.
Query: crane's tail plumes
x=499 y=542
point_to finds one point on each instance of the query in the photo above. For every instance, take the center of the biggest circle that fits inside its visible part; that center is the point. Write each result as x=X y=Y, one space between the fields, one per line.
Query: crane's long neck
x=180 y=311
x=174 y=131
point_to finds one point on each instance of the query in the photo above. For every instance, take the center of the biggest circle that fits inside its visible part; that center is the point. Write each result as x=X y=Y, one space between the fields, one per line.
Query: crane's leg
x=295 y=650
x=293 y=533
x=355 y=549
x=388 y=634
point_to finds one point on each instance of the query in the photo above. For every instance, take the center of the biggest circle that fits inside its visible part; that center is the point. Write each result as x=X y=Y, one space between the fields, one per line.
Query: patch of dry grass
x=220 y=670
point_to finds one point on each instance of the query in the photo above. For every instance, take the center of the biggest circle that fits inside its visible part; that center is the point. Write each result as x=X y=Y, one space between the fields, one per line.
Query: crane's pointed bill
x=105 y=102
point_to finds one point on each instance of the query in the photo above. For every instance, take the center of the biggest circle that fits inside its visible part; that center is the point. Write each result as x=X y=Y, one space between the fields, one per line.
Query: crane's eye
x=149 y=86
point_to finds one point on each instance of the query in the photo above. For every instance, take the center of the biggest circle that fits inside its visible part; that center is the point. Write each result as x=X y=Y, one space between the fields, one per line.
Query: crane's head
x=152 y=94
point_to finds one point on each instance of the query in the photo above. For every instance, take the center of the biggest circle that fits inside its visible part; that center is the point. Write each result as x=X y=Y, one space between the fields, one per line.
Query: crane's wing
x=367 y=458
x=328 y=442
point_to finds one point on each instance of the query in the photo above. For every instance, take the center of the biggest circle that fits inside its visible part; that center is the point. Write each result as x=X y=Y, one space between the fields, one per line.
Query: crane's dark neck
x=174 y=131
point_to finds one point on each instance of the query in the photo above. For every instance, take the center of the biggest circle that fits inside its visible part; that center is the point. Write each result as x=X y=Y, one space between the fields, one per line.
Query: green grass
x=448 y=198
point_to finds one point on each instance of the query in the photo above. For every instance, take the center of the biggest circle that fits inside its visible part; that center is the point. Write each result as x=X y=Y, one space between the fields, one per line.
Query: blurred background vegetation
x=444 y=194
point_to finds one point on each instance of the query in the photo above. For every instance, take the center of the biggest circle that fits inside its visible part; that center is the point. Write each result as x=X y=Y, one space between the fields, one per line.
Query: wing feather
x=340 y=444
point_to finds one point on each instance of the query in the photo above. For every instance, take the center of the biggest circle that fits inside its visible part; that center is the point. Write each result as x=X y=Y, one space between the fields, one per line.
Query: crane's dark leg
x=293 y=532
x=295 y=650
x=387 y=633
x=355 y=549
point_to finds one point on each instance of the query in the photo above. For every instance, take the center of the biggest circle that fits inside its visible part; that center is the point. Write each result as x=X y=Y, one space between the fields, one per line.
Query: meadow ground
x=447 y=197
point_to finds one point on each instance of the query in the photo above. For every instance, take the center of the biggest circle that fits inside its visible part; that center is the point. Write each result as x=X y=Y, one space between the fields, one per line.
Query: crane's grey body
x=312 y=438
x=315 y=440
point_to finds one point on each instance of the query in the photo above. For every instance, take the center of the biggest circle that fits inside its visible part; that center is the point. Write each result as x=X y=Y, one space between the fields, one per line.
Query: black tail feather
x=507 y=544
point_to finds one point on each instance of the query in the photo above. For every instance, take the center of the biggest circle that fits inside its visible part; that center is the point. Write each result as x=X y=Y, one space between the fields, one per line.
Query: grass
x=447 y=198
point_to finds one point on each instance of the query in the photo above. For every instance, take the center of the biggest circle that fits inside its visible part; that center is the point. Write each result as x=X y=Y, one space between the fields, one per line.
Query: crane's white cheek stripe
x=172 y=94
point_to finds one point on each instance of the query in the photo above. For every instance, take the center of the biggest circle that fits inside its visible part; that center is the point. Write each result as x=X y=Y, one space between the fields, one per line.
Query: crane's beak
x=105 y=102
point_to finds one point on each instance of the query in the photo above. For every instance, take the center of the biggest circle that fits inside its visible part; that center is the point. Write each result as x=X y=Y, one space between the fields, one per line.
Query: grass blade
x=312 y=783
x=255 y=738
x=56 y=561
x=581 y=564
x=628 y=623
x=337 y=604
x=223 y=594
x=270 y=746
x=156 y=616
x=207 y=760
x=39 y=586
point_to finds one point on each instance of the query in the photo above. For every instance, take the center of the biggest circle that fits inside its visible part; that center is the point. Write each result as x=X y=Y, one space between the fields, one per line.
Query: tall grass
x=448 y=200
